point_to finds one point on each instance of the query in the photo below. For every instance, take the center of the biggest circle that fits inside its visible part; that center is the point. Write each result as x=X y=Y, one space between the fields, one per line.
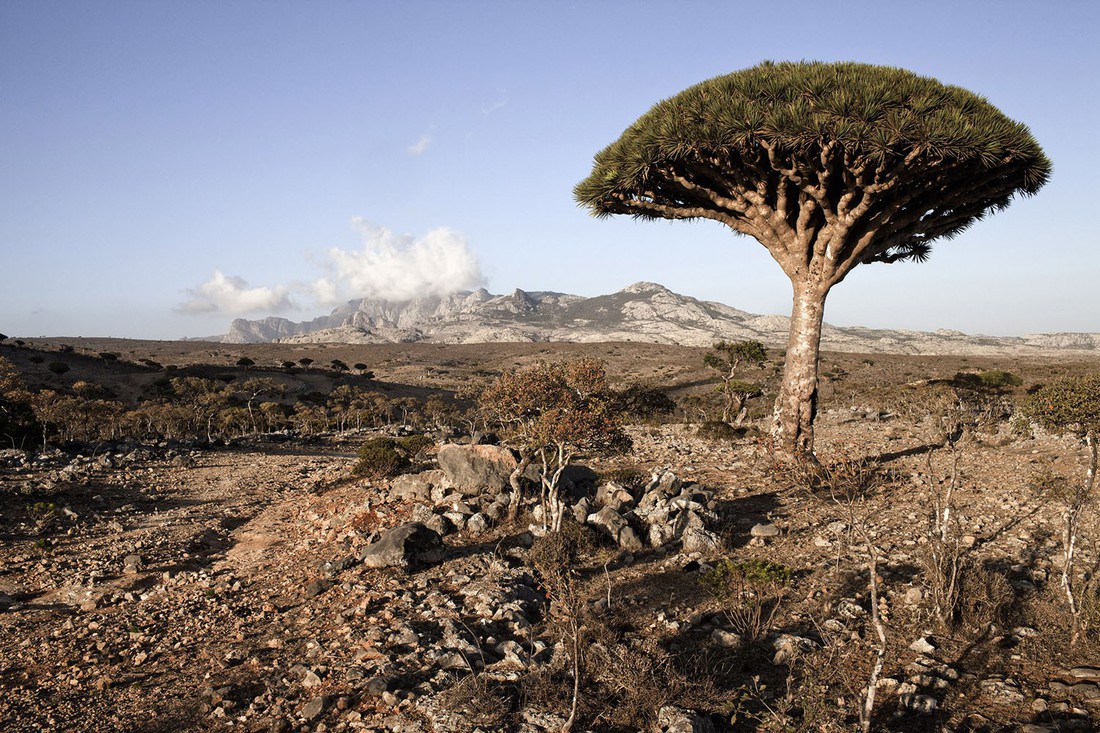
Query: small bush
x=999 y=379
x=750 y=592
x=732 y=577
x=414 y=446
x=992 y=380
x=380 y=458
x=43 y=509
x=478 y=702
x=985 y=596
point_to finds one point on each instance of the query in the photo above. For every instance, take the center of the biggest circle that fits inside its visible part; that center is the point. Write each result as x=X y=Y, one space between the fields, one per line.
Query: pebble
x=923 y=645
x=315 y=707
x=765 y=529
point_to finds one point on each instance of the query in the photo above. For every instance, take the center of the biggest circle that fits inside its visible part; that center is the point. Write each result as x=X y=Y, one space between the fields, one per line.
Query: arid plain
x=186 y=583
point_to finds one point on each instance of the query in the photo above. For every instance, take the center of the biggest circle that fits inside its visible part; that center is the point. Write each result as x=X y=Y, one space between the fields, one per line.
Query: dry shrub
x=984 y=596
x=415 y=446
x=750 y=593
x=844 y=479
x=632 y=680
x=555 y=555
x=476 y=703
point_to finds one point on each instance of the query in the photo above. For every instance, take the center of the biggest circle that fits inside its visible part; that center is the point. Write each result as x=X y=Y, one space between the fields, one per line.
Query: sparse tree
x=58 y=367
x=309 y=419
x=1071 y=406
x=726 y=359
x=10 y=379
x=829 y=166
x=305 y=361
x=244 y=362
x=202 y=399
x=258 y=387
x=17 y=420
x=552 y=412
x=440 y=412
x=274 y=415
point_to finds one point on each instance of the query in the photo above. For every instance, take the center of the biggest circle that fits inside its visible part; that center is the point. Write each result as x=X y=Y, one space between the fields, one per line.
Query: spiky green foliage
x=878 y=160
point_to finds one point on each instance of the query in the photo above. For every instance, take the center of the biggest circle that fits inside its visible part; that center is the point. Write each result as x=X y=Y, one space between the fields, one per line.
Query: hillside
x=644 y=312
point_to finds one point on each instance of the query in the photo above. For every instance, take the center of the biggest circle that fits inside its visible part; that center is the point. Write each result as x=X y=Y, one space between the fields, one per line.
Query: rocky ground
x=260 y=587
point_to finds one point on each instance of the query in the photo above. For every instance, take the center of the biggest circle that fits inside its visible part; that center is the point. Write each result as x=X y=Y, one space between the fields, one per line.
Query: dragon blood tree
x=829 y=166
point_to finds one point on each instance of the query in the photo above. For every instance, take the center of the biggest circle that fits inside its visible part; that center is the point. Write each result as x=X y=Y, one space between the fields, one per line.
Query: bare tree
x=1072 y=406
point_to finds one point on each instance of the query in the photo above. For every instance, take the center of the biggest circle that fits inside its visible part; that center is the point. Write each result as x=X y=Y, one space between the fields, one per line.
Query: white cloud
x=387 y=267
x=232 y=295
x=421 y=145
x=399 y=267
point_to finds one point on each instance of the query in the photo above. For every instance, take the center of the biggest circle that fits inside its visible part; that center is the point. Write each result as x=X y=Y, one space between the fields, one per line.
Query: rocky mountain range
x=644 y=312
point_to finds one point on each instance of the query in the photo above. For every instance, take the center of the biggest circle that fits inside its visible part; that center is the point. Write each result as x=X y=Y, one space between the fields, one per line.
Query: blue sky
x=166 y=166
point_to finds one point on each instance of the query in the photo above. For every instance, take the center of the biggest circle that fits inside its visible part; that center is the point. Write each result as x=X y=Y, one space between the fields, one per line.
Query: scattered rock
x=912 y=596
x=727 y=639
x=765 y=529
x=701 y=541
x=315 y=708
x=923 y=645
x=478 y=524
x=477 y=469
x=671 y=719
x=613 y=523
x=1085 y=673
x=132 y=564
x=407 y=546
x=316 y=587
x=921 y=704
x=416 y=486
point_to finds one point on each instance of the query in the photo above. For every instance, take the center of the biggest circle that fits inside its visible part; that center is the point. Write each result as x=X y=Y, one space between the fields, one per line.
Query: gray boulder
x=697 y=539
x=615 y=496
x=440 y=525
x=478 y=524
x=477 y=469
x=407 y=546
x=613 y=523
x=416 y=486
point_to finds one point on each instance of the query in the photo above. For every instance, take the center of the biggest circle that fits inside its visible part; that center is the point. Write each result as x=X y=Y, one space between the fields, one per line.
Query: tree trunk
x=516 y=499
x=796 y=405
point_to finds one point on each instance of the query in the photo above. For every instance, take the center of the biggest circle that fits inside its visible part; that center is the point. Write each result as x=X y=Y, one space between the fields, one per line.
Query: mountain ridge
x=643 y=311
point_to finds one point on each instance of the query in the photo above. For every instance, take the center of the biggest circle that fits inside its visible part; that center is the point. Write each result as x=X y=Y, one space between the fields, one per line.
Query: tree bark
x=516 y=499
x=796 y=405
